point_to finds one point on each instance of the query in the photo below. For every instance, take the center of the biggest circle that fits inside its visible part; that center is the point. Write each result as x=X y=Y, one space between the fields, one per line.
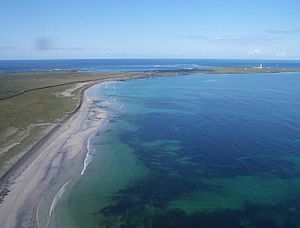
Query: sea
x=117 y=65
x=188 y=151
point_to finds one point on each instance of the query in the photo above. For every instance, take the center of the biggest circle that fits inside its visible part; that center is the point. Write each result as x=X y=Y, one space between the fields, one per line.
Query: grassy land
x=237 y=70
x=14 y=83
x=250 y=70
x=27 y=118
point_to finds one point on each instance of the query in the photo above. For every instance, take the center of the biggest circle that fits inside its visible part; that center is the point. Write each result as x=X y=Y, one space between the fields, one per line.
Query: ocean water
x=117 y=65
x=193 y=151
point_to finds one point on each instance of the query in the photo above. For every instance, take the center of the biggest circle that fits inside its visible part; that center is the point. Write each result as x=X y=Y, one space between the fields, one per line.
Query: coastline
x=37 y=175
x=58 y=161
x=55 y=163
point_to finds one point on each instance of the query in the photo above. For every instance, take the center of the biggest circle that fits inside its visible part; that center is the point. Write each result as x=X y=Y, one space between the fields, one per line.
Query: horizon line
x=59 y=59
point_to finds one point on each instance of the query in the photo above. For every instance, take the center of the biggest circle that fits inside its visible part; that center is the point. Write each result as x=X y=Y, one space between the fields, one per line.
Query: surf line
x=56 y=198
x=88 y=156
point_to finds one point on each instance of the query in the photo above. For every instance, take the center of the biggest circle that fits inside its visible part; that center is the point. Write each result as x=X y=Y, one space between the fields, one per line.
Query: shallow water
x=193 y=151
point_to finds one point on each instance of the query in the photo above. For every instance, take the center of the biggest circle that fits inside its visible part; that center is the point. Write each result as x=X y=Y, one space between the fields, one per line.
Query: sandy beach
x=60 y=161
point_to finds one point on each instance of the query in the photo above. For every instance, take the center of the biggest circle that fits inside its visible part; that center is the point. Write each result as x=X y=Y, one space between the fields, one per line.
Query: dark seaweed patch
x=219 y=152
x=253 y=215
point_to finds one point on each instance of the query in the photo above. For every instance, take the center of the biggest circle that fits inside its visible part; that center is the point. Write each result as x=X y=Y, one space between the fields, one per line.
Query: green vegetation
x=27 y=118
x=241 y=70
x=14 y=83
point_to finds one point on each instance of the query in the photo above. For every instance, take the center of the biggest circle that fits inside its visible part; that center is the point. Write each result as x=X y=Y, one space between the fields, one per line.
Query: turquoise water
x=194 y=151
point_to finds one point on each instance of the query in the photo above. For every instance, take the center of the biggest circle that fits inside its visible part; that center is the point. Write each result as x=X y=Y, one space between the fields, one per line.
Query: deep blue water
x=195 y=151
x=133 y=64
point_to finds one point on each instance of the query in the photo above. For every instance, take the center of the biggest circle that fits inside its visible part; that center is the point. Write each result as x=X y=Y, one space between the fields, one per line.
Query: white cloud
x=255 y=51
x=282 y=32
x=281 y=54
x=232 y=39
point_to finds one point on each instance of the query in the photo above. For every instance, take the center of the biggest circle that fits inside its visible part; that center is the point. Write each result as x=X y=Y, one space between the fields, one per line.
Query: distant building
x=260 y=66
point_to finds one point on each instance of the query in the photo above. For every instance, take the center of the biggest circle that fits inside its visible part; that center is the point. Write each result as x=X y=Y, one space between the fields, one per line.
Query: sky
x=202 y=29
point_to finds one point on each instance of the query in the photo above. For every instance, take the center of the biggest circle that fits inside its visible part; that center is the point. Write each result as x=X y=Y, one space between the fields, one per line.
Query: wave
x=88 y=157
x=56 y=198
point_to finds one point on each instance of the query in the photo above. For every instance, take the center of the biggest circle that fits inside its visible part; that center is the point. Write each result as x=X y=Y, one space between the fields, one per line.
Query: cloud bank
x=282 y=32
x=233 y=39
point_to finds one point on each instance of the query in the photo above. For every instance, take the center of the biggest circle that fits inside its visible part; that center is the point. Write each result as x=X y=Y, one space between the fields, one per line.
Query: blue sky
x=58 y=29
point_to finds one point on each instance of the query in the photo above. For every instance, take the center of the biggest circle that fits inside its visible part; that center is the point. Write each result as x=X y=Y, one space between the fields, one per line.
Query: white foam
x=88 y=157
x=56 y=198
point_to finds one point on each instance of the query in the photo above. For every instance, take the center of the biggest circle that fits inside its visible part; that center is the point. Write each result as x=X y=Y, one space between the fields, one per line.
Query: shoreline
x=22 y=163
x=61 y=156
x=34 y=177
x=17 y=168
